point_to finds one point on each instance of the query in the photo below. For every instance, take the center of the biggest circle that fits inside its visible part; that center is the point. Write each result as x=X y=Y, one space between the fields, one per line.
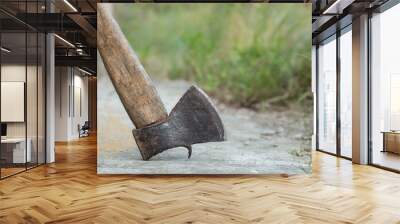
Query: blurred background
x=246 y=55
x=254 y=60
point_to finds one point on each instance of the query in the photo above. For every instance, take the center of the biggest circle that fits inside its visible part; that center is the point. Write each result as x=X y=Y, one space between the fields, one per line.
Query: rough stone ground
x=257 y=143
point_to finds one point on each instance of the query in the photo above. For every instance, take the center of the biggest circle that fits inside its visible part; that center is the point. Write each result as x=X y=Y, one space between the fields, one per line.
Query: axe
x=194 y=119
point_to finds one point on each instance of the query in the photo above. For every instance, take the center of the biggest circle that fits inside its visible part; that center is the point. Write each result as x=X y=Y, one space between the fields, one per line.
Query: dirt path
x=268 y=142
x=271 y=141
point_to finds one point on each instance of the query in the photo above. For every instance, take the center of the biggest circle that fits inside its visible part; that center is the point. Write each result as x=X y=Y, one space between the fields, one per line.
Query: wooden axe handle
x=133 y=85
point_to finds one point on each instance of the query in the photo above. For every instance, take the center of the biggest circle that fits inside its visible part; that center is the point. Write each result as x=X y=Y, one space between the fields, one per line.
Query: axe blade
x=193 y=120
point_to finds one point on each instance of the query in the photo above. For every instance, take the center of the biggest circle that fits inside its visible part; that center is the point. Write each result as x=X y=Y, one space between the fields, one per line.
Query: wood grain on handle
x=133 y=85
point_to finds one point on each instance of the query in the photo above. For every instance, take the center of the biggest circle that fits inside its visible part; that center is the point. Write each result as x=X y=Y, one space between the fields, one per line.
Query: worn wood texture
x=132 y=83
x=70 y=191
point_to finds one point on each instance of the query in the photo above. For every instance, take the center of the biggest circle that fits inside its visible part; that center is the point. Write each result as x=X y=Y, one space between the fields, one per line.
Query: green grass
x=242 y=54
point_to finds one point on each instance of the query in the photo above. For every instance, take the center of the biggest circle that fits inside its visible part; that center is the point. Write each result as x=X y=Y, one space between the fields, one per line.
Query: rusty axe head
x=194 y=119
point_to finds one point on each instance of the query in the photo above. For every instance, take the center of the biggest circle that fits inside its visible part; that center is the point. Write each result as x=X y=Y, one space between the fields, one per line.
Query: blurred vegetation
x=244 y=54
